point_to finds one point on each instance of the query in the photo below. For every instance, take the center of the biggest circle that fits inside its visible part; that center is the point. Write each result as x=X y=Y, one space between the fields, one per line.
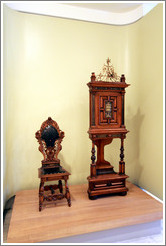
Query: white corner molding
x=57 y=9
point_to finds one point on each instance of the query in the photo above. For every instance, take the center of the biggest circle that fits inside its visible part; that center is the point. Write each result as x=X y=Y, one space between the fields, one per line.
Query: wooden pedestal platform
x=57 y=220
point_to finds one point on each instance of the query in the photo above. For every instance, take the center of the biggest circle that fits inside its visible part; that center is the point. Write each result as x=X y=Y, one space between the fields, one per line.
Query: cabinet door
x=108 y=110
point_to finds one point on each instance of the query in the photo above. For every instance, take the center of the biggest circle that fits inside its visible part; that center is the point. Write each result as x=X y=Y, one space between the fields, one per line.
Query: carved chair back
x=50 y=137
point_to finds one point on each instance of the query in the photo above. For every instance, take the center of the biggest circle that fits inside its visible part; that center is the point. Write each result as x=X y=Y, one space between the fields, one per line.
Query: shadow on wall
x=134 y=123
x=63 y=163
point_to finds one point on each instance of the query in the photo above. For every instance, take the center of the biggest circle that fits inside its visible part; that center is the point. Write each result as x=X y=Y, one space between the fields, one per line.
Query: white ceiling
x=106 y=12
x=108 y=7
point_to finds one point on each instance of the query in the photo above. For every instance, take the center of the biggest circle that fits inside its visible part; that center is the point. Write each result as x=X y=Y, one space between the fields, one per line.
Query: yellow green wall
x=150 y=175
x=47 y=63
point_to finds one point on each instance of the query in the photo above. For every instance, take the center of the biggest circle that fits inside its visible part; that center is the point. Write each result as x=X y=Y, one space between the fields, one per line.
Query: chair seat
x=52 y=170
x=59 y=175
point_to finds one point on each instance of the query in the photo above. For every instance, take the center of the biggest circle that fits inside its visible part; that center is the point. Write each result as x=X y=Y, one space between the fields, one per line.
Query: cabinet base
x=107 y=184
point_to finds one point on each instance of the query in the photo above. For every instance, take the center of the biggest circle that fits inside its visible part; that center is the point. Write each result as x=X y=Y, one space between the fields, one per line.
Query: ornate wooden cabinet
x=107 y=94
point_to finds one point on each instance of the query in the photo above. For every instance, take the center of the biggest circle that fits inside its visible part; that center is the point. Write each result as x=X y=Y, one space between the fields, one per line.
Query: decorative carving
x=108 y=88
x=121 y=162
x=107 y=91
x=50 y=137
x=93 y=157
x=122 y=110
x=121 y=153
x=93 y=109
x=108 y=109
x=54 y=197
x=108 y=74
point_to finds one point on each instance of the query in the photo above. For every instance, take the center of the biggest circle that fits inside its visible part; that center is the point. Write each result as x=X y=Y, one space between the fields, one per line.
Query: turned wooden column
x=60 y=186
x=122 y=163
x=93 y=164
x=67 y=194
x=41 y=195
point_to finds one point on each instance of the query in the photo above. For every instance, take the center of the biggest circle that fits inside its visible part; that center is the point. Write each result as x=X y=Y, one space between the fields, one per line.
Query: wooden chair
x=50 y=137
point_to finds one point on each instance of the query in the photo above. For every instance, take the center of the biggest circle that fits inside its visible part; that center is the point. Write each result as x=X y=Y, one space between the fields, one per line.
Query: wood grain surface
x=57 y=220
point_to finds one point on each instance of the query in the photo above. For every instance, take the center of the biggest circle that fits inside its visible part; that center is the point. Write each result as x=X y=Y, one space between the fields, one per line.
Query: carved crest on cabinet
x=108 y=74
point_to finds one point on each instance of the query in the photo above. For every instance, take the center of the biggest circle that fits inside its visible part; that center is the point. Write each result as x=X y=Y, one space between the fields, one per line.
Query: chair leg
x=67 y=195
x=60 y=186
x=41 y=195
